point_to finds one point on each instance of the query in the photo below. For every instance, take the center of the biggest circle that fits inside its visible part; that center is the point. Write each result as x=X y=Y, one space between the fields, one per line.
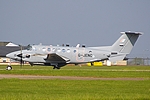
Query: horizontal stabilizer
x=129 y=32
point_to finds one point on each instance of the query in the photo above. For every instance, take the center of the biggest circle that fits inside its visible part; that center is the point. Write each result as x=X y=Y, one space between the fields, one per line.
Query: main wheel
x=56 y=67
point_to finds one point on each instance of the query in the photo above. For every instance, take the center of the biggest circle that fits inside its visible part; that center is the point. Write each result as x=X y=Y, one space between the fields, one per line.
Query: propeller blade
x=21 y=62
x=20 y=55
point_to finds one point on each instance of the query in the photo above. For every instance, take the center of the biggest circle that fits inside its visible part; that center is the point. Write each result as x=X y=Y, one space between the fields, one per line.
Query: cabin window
x=48 y=49
x=44 y=49
x=74 y=51
x=54 y=49
x=63 y=50
x=58 y=50
x=68 y=50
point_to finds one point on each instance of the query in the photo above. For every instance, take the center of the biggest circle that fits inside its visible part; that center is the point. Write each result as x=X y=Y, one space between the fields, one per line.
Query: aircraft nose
x=10 y=55
x=17 y=55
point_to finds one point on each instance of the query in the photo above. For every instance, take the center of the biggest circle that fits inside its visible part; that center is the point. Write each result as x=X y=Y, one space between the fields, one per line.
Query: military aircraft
x=58 y=56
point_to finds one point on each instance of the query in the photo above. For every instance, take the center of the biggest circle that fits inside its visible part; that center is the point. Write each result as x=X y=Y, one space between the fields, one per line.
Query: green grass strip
x=17 y=89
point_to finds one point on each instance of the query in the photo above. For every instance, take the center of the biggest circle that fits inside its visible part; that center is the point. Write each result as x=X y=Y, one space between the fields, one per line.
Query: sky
x=89 y=22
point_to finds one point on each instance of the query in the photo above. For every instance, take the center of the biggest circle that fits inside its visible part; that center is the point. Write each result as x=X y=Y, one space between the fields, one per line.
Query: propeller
x=21 y=56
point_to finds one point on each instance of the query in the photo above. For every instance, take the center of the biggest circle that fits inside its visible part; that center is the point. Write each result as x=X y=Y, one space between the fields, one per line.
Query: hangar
x=5 y=48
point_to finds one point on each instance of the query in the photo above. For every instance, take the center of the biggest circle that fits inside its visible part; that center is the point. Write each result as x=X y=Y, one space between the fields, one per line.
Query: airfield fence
x=138 y=61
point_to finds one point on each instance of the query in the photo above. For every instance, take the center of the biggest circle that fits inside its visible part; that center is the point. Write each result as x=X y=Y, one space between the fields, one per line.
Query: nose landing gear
x=9 y=67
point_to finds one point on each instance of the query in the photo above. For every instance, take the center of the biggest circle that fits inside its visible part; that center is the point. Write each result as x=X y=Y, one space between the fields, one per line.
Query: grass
x=58 y=89
x=114 y=71
x=16 y=89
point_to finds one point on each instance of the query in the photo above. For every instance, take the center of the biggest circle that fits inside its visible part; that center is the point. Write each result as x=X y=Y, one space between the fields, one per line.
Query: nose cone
x=13 y=55
x=10 y=55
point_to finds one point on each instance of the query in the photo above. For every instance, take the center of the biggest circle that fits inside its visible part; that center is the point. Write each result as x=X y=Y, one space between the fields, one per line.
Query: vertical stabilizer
x=123 y=45
x=126 y=42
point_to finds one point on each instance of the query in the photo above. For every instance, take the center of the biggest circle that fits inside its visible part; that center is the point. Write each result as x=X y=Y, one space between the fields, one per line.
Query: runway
x=9 y=76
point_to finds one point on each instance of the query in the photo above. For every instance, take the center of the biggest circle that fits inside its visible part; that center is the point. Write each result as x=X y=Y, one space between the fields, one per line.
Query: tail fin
x=126 y=42
x=123 y=45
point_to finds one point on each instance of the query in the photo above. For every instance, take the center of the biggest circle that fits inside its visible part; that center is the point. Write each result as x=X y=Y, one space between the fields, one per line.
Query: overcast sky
x=89 y=22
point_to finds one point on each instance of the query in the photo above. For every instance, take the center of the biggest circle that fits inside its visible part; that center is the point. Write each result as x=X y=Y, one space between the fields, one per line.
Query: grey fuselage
x=59 y=56
x=38 y=54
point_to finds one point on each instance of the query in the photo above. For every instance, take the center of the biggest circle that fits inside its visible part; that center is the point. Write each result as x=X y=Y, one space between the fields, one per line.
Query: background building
x=7 y=47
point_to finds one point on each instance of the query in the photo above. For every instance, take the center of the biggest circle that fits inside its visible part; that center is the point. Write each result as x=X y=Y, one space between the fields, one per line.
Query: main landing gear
x=56 y=67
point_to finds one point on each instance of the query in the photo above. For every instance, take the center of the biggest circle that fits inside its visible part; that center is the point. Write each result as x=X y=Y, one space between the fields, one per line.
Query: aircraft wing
x=56 y=58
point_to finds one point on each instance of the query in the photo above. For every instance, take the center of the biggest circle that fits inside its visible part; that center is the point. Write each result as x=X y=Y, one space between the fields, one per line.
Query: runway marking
x=6 y=76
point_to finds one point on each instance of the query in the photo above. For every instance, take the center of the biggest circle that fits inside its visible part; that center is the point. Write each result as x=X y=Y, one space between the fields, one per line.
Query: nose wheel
x=9 y=67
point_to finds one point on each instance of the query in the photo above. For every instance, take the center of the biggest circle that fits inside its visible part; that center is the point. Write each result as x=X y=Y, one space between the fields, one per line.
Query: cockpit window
x=33 y=48
x=29 y=47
